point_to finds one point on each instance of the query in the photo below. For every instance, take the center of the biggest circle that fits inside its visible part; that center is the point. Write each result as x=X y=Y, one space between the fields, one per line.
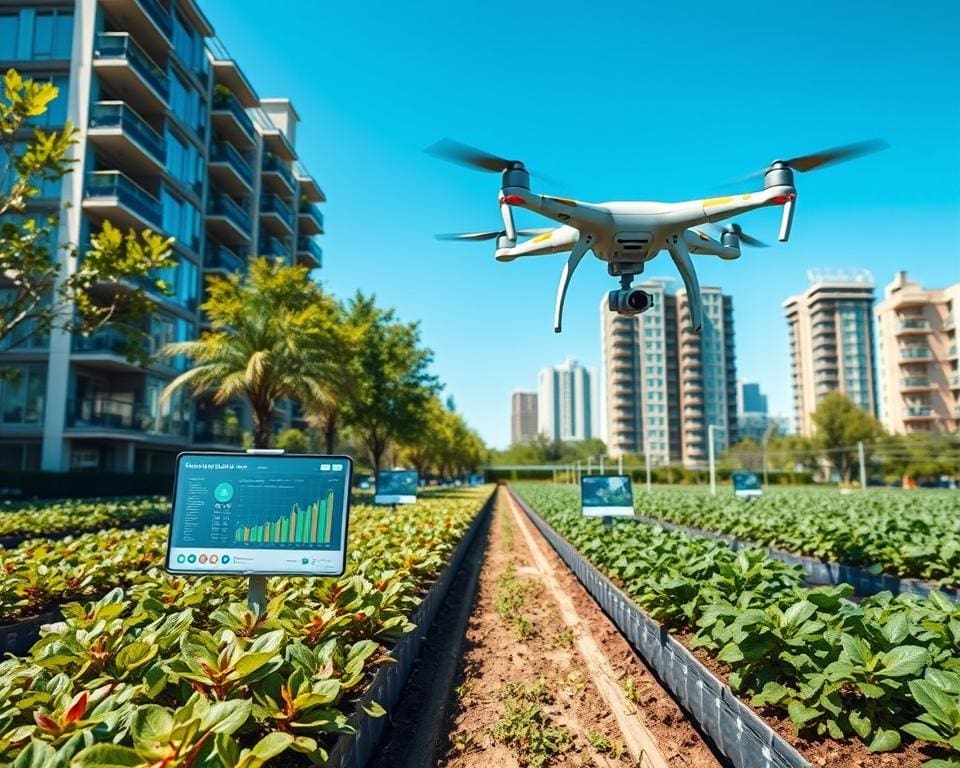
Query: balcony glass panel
x=122 y=46
x=273 y=204
x=119 y=115
x=115 y=184
x=272 y=164
x=312 y=210
x=158 y=14
x=104 y=413
x=222 y=152
x=221 y=205
x=221 y=257
x=309 y=245
x=271 y=246
x=914 y=353
x=227 y=102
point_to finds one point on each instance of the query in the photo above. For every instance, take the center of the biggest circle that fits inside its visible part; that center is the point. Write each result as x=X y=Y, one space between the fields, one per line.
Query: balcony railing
x=104 y=341
x=116 y=114
x=222 y=152
x=114 y=45
x=106 y=413
x=228 y=103
x=273 y=204
x=309 y=245
x=221 y=257
x=222 y=205
x=914 y=383
x=272 y=164
x=115 y=184
x=313 y=210
x=271 y=246
x=217 y=431
x=913 y=325
x=915 y=353
x=159 y=16
x=919 y=411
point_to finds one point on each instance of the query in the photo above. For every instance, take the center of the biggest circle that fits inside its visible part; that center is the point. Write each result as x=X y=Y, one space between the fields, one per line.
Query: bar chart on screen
x=312 y=524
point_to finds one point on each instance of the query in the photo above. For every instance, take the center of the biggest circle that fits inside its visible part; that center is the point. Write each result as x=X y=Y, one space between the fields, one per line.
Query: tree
x=108 y=286
x=393 y=386
x=267 y=332
x=840 y=425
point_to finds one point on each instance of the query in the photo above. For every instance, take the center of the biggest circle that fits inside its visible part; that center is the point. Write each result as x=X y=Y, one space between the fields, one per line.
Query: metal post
x=257 y=594
x=620 y=464
x=589 y=465
x=646 y=459
x=863 y=464
x=713 y=466
x=579 y=471
x=601 y=463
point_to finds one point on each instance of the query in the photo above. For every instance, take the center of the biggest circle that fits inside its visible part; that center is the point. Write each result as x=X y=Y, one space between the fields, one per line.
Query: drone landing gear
x=583 y=245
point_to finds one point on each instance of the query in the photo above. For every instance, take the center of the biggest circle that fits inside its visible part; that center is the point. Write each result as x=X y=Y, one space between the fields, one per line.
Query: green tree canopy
x=39 y=289
x=840 y=425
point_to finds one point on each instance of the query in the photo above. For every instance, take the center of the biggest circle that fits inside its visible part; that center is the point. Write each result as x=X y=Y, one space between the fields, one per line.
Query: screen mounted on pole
x=397 y=487
x=606 y=495
x=237 y=513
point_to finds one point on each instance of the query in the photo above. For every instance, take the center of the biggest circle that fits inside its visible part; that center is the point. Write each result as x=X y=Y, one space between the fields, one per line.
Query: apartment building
x=664 y=384
x=830 y=327
x=523 y=416
x=172 y=137
x=566 y=402
x=917 y=357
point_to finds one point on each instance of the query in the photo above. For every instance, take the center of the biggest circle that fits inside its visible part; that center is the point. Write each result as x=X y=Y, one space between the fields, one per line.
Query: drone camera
x=630 y=301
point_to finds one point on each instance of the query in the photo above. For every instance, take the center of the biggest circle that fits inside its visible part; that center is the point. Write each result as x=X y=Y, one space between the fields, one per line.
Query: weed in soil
x=511 y=596
x=527 y=728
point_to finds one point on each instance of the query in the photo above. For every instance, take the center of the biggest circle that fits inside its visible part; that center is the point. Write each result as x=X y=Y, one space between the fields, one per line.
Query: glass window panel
x=63 y=35
x=9 y=34
x=43 y=24
x=14 y=399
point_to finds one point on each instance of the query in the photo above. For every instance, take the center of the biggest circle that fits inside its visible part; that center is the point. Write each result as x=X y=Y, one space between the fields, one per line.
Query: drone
x=628 y=234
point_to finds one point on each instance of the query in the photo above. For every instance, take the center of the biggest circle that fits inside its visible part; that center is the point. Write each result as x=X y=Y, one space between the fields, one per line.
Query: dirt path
x=546 y=679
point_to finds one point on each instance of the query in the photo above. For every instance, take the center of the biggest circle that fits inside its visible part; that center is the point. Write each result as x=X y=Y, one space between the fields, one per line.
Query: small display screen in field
x=238 y=513
x=397 y=487
x=606 y=495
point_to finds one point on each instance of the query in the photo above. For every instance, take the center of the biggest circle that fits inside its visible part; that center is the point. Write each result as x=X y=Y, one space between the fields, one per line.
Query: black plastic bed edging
x=17 y=638
x=9 y=542
x=737 y=732
x=820 y=571
x=356 y=750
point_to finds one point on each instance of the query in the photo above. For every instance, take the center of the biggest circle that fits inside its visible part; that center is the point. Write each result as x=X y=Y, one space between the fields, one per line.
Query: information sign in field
x=250 y=514
x=606 y=495
x=397 y=487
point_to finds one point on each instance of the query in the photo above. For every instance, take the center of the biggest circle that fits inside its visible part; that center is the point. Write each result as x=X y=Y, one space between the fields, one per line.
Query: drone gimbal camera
x=628 y=234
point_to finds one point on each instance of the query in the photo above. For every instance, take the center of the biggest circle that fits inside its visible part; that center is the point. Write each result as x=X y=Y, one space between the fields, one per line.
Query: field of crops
x=75 y=516
x=885 y=670
x=904 y=534
x=170 y=671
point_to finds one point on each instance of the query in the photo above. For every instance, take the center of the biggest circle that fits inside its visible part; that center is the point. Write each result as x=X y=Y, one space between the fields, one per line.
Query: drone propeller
x=476 y=236
x=479 y=159
x=738 y=231
x=824 y=157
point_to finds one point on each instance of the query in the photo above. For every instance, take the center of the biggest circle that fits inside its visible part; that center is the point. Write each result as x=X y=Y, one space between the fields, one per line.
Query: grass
x=527 y=728
x=600 y=743
x=511 y=597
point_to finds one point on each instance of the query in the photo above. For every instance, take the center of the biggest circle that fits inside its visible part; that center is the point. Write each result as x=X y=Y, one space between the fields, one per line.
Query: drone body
x=628 y=234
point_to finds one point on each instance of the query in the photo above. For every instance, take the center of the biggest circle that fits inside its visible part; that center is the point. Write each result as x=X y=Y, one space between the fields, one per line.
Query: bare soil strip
x=546 y=679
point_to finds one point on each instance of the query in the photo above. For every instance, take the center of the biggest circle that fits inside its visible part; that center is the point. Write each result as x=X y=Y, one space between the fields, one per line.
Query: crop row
x=904 y=534
x=881 y=669
x=176 y=672
x=81 y=515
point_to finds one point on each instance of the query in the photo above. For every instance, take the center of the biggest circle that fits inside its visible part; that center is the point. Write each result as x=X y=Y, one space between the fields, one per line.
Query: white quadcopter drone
x=626 y=235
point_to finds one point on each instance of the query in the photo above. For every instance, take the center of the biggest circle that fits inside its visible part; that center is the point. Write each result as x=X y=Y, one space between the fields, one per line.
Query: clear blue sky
x=625 y=100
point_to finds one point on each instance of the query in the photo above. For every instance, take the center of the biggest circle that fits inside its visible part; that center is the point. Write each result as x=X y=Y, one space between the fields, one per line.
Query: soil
x=521 y=645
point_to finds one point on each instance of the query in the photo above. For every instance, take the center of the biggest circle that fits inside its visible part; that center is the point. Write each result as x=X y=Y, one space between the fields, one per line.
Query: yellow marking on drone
x=542 y=236
x=717 y=201
x=564 y=201
x=747 y=197
x=701 y=235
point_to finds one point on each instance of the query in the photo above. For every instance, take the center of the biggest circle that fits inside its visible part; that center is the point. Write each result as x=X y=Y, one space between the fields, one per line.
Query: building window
x=21 y=396
x=56 y=114
x=9 y=35
x=52 y=34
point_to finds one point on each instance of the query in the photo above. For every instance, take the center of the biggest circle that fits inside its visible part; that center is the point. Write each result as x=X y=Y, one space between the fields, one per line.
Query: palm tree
x=270 y=330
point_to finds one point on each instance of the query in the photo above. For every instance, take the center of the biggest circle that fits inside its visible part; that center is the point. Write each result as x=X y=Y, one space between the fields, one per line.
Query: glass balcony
x=912 y=326
x=102 y=413
x=271 y=246
x=104 y=342
x=232 y=119
x=273 y=165
x=915 y=353
x=919 y=412
x=111 y=48
x=272 y=207
x=224 y=154
x=311 y=220
x=115 y=195
x=222 y=259
x=221 y=208
x=915 y=382
x=309 y=251
x=219 y=430
x=115 y=123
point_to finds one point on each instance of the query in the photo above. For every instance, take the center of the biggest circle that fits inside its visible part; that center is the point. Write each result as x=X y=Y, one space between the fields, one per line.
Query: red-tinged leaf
x=76 y=709
x=45 y=723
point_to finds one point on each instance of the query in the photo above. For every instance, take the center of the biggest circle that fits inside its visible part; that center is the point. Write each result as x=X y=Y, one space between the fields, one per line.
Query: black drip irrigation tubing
x=356 y=750
x=824 y=572
x=737 y=732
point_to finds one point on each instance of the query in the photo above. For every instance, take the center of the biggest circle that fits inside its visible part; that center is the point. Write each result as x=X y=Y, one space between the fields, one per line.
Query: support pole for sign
x=257 y=585
x=646 y=458
x=863 y=464
x=713 y=465
x=601 y=463
x=589 y=465
x=620 y=464
x=579 y=471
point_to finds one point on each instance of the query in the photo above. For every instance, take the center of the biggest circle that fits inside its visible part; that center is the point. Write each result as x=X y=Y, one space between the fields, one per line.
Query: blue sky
x=624 y=100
